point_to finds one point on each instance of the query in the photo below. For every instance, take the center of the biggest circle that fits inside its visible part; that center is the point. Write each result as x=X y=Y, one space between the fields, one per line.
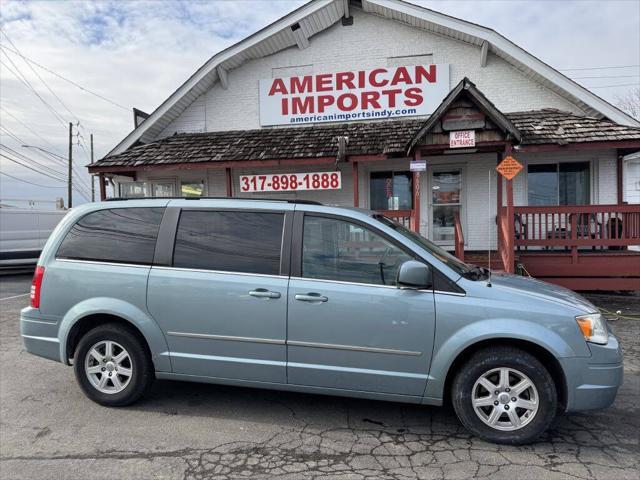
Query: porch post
x=499 y=203
x=416 y=195
x=619 y=183
x=229 y=182
x=510 y=267
x=103 y=188
x=356 y=193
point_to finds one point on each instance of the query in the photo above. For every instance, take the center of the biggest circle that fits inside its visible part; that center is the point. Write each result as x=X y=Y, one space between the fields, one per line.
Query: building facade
x=389 y=106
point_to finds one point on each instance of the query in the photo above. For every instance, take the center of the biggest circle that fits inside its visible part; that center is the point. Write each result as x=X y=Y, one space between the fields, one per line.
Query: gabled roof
x=319 y=15
x=546 y=126
x=466 y=88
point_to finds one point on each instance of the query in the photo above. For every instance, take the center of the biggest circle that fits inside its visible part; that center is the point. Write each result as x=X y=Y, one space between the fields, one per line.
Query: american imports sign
x=353 y=95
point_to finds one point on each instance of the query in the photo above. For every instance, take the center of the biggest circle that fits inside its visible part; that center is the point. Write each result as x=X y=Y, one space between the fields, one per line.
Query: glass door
x=446 y=201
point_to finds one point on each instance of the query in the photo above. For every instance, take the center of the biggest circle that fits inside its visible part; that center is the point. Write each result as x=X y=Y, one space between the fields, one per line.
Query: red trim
x=554 y=147
x=619 y=183
x=354 y=179
x=367 y=158
x=229 y=181
x=416 y=196
x=103 y=188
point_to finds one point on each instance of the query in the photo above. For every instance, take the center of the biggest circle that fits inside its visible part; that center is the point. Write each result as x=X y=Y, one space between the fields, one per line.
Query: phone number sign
x=291 y=182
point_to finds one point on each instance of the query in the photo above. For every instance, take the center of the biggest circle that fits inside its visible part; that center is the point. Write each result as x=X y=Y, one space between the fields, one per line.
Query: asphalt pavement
x=49 y=430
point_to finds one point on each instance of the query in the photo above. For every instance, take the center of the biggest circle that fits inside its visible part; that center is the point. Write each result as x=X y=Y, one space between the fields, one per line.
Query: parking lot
x=48 y=429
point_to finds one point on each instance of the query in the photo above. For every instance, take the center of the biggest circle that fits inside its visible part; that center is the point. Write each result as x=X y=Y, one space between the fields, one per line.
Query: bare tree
x=630 y=102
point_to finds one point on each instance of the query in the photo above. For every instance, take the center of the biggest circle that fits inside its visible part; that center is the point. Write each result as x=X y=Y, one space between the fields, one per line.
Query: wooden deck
x=582 y=247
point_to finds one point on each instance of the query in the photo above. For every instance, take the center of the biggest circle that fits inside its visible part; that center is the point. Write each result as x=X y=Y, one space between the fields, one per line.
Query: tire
x=535 y=407
x=109 y=377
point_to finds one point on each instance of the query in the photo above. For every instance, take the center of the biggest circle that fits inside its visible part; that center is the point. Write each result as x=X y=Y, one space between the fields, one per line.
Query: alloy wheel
x=108 y=367
x=505 y=399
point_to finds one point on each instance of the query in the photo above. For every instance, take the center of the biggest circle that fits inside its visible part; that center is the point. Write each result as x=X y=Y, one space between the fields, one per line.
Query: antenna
x=489 y=251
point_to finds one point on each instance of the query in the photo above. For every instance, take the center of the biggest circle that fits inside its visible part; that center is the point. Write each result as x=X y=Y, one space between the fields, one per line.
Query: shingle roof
x=365 y=138
x=555 y=126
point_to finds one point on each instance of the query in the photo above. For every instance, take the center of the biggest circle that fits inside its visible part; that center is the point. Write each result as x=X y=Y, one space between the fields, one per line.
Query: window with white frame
x=559 y=183
x=149 y=188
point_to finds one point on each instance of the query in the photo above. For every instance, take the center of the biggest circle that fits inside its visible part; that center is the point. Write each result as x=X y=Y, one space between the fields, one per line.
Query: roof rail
x=301 y=202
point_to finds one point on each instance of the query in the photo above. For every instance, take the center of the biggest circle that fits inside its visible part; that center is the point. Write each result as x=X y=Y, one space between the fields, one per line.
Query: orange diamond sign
x=509 y=167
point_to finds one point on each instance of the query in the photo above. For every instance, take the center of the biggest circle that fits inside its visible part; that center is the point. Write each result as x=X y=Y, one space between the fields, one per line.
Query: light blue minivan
x=300 y=296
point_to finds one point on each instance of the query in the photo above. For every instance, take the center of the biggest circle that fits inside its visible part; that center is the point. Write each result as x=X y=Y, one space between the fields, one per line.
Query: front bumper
x=593 y=382
x=39 y=334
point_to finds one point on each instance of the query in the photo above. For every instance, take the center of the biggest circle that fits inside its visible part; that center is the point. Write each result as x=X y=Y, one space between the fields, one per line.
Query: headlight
x=593 y=328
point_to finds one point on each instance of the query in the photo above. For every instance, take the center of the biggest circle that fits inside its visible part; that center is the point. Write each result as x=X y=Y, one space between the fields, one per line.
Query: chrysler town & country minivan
x=310 y=298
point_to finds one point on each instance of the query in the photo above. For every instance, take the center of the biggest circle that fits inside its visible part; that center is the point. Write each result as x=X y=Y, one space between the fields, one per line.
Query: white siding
x=370 y=42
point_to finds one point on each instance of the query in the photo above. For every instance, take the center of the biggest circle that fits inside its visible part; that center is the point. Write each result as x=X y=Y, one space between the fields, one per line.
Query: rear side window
x=119 y=235
x=247 y=242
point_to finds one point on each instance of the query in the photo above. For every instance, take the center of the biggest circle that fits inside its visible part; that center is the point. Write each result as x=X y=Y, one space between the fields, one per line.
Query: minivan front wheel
x=504 y=395
x=112 y=365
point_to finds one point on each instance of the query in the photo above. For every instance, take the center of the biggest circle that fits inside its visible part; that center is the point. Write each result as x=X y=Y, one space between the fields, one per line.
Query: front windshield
x=441 y=254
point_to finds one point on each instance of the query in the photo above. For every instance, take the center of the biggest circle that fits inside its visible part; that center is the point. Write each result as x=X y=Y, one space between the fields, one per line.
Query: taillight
x=36 y=285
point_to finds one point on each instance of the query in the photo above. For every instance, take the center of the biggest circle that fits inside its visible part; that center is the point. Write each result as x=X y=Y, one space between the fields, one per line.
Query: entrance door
x=446 y=201
x=349 y=327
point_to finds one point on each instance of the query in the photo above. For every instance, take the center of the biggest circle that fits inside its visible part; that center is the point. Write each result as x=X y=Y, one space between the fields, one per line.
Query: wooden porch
x=582 y=247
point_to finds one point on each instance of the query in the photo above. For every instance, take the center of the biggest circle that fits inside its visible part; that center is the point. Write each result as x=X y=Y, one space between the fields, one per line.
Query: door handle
x=311 y=298
x=264 y=293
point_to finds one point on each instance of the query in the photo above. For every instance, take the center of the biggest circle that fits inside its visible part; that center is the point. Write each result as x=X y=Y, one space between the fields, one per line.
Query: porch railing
x=406 y=218
x=568 y=228
x=458 y=237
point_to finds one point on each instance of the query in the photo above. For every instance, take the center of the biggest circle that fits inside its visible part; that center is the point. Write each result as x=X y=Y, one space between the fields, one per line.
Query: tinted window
x=121 y=235
x=559 y=184
x=339 y=250
x=229 y=241
x=391 y=191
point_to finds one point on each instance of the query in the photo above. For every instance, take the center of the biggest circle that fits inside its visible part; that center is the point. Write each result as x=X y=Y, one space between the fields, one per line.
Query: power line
x=27 y=181
x=66 y=79
x=30 y=168
x=27 y=127
x=20 y=76
x=24 y=158
x=596 y=68
x=49 y=172
x=38 y=75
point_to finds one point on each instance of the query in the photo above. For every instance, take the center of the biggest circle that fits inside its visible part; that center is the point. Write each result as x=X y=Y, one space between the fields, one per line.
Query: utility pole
x=93 y=186
x=70 y=179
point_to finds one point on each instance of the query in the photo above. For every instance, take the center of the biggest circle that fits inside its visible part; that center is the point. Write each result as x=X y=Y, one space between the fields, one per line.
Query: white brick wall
x=370 y=42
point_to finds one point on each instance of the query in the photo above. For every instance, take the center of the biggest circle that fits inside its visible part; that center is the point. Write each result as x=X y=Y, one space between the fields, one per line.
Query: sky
x=125 y=54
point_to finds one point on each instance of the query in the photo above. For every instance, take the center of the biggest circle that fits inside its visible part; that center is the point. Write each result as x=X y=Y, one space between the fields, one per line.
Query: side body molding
x=134 y=315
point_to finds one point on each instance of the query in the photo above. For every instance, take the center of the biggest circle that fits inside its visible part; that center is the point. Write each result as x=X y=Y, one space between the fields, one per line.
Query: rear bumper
x=39 y=335
x=592 y=383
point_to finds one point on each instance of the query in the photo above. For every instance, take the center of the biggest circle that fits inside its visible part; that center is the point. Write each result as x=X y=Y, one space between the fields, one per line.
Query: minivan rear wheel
x=504 y=395
x=112 y=365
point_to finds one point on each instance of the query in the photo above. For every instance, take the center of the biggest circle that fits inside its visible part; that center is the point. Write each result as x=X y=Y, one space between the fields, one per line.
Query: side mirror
x=413 y=274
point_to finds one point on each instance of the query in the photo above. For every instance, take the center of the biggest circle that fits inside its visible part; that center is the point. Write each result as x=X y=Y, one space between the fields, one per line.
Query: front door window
x=391 y=191
x=446 y=201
